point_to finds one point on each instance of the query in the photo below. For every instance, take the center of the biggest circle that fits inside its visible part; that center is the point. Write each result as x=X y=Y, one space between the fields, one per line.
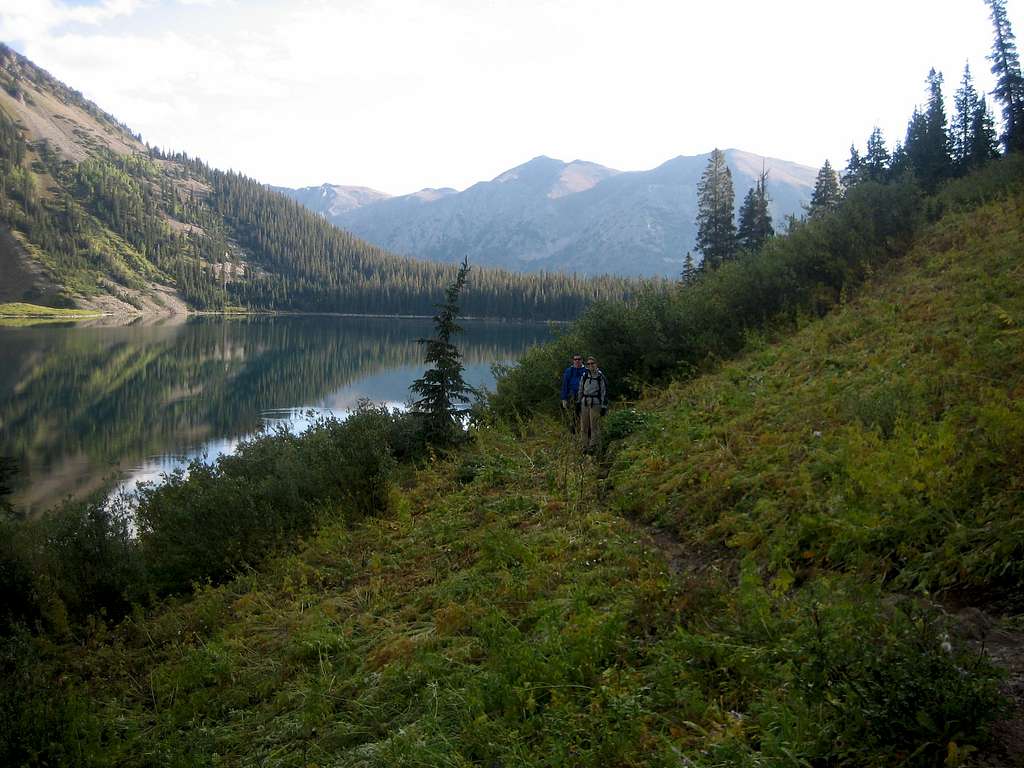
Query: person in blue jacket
x=570 y=391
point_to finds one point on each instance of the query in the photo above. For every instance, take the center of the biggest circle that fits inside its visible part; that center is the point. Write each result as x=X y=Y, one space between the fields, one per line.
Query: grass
x=887 y=439
x=517 y=607
x=21 y=310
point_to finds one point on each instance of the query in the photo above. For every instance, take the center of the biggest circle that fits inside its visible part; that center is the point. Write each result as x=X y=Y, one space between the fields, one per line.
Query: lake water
x=84 y=408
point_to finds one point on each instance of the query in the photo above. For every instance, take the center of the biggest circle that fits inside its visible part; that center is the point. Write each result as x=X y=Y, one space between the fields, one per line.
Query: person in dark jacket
x=593 y=397
x=570 y=391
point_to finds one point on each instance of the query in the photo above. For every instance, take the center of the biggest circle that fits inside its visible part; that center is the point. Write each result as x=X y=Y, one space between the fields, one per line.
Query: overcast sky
x=409 y=94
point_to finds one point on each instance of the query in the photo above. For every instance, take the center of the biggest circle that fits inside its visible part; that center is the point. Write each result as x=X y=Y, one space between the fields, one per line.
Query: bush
x=213 y=519
x=622 y=423
x=77 y=560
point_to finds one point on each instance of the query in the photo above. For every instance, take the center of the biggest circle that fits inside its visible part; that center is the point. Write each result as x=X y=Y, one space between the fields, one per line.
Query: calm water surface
x=83 y=409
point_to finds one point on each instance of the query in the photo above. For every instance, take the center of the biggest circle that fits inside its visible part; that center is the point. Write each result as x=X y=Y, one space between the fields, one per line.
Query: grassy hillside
x=763 y=569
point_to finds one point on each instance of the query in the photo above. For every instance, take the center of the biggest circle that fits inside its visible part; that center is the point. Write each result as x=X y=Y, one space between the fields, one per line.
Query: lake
x=85 y=408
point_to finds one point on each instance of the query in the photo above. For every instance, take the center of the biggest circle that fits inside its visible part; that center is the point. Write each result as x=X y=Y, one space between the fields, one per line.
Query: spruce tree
x=755 y=221
x=826 y=194
x=854 y=168
x=716 y=230
x=961 y=133
x=927 y=144
x=899 y=163
x=1009 y=88
x=984 y=141
x=689 y=270
x=442 y=386
x=875 y=166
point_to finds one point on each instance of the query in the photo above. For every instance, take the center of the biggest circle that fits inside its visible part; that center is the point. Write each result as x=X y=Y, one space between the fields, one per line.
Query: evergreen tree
x=927 y=144
x=1009 y=88
x=899 y=163
x=442 y=386
x=985 y=142
x=716 y=230
x=961 y=133
x=755 y=221
x=854 y=168
x=689 y=270
x=826 y=194
x=875 y=166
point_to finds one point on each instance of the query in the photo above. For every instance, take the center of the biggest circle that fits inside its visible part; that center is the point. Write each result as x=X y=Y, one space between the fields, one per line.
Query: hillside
x=93 y=218
x=547 y=214
x=803 y=556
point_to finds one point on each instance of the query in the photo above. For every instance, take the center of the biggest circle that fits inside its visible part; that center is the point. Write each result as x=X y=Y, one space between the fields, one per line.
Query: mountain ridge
x=93 y=217
x=579 y=216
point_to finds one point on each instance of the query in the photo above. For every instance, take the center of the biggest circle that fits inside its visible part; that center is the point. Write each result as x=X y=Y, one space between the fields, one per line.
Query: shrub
x=215 y=518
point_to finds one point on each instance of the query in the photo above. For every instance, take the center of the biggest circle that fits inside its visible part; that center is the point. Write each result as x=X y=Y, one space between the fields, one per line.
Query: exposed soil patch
x=1005 y=646
x=158 y=300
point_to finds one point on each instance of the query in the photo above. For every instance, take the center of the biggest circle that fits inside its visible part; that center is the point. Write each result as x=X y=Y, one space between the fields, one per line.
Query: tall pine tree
x=716 y=229
x=961 y=130
x=826 y=194
x=755 y=221
x=875 y=166
x=1009 y=88
x=927 y=144
x=689 y=270
x=985 y=142
x=854 y=168
x=973 y=140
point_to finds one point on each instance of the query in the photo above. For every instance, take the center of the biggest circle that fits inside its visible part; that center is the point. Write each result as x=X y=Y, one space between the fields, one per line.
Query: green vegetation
x=34 y=310
x=442 y=392
x=509 y=603
x=824 y=458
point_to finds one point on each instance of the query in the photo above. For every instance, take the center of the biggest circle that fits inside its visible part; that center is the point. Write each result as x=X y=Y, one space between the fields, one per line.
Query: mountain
x=333 y=199
x=569 y=217
x=90 y=216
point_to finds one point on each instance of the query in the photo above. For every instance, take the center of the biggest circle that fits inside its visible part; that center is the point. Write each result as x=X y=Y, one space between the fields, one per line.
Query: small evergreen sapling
x=442 y=386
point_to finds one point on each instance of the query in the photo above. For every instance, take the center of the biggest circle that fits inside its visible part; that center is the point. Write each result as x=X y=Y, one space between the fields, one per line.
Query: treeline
x=934 y=150
x=222 y=239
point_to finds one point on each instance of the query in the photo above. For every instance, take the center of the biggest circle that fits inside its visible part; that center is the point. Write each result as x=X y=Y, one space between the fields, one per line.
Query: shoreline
x=36 y=312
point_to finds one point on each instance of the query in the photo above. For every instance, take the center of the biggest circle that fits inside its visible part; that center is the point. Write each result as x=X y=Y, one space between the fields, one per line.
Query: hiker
x=570 y=391
x=593 y=398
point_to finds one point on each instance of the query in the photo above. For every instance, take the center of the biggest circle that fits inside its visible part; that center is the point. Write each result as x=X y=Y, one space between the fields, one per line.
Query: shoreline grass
x=19 y=310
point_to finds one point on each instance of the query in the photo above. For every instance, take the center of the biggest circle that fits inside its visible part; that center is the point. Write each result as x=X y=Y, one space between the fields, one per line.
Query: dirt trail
x=1006 y=648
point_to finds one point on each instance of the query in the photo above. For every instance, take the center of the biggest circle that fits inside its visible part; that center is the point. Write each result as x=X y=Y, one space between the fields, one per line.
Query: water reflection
x=82 y=406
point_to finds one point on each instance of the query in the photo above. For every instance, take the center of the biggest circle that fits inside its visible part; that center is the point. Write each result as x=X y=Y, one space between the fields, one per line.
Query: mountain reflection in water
x=82 y=408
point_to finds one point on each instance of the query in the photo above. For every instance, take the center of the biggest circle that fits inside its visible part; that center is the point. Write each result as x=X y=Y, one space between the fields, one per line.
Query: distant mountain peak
x=579 y=176
x=580 y=216
x=430 y=194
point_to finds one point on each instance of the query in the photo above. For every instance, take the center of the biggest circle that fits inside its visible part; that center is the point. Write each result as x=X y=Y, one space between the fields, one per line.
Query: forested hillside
x=91 y=216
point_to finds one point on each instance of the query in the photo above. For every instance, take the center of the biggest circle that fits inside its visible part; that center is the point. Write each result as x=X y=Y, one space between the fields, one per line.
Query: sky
x=401 y=95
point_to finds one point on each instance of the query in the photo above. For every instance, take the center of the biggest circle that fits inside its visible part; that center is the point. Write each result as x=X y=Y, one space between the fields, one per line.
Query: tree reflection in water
x=84 y=407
